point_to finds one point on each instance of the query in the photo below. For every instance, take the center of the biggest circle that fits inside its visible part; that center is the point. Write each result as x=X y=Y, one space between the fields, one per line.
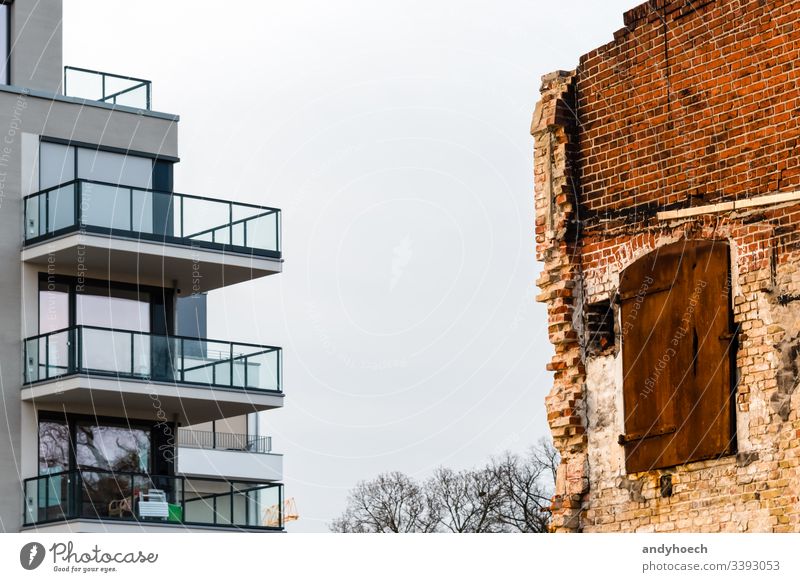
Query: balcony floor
x=188 y=404
x=119 y=526
x=191 y=269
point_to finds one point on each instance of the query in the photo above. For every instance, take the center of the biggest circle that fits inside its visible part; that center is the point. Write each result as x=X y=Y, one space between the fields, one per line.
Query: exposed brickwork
x=690 y=104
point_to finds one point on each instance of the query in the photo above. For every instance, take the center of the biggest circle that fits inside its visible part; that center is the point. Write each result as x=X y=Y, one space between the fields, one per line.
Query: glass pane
x=133 y=97
x=56 y=164
x=112 y=448
x=46 y=498
x=268 y=509
x=53 y=446
x=238 y=234
x=106 y=351
x=163 y=354
x=53 y=309
x=85 y=85
x=262 y=232
x=105 y=206
x=142 y=201
x=112 y=312
x=105 y=494
x=61 y=208
x=199 y=510
x=206 y=362
x=56 y=349
x=260 y=366
x=206 y=219
x=141 y=355
x=115 y=168
x=166 y=211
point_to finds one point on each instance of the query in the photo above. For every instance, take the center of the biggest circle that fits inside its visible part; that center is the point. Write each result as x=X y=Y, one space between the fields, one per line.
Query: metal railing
x=107 y=87
x=106 y=208
x=101 y=351
x=146 y=498
x=203 y=439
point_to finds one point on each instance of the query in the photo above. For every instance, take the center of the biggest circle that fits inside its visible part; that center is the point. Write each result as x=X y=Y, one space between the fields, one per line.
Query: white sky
x=395 y=138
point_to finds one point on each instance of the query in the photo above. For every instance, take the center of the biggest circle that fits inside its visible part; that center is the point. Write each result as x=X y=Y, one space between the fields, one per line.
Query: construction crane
x=271 y=516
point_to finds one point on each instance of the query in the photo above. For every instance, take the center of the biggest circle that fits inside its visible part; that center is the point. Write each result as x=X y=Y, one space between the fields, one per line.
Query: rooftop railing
x=147 y=499
x=117 y=353
x=107 y=87
x=106 y=208
x=203 y=439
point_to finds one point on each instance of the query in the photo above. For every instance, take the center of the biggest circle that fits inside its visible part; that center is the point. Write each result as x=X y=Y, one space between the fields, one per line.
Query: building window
x=105 y=447
x=5 y=43
x=66 y=301
x=678 y=346
x=60 y=163
x=99 y=445
x=54 y=446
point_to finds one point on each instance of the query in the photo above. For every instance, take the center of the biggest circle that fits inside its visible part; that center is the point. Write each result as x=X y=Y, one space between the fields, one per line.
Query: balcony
x=107 y=88
x=148 y=501
x=146 y=236
x=218 y=454
x=196 y=380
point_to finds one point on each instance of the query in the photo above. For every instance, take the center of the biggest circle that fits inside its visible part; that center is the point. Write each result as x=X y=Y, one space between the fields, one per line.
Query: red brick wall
x=692 y=103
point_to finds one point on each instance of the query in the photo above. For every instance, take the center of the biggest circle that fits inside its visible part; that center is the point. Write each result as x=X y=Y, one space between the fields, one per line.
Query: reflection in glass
x=112 y=448
x=53 y=446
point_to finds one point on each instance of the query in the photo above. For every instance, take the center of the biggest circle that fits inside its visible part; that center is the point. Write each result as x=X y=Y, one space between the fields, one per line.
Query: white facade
x=96 y=380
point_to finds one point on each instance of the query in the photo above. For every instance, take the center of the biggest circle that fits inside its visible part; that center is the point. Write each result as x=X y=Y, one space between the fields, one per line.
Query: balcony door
x=116 y=191
x=117 y=323
x=115 y=337
x=115 y=459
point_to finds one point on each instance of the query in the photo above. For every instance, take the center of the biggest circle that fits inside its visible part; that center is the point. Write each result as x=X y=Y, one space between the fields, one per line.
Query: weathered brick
x=624 y=135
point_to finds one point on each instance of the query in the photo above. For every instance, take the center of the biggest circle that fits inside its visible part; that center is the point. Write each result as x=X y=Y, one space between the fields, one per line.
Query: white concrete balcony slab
x=227 y=455
x=231 y=464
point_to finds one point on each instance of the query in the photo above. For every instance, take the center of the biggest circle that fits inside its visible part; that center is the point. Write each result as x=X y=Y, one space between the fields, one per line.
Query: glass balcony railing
x=107 y=87
x=204 y=439
x=159 y=358
x=144 y=498
x=104 y=208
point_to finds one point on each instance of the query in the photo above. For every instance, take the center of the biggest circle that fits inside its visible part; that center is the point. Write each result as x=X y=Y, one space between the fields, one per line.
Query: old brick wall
x=692 y=103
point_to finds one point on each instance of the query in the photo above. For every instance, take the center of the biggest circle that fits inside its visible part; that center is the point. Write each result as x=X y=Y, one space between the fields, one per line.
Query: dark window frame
x=6 y=6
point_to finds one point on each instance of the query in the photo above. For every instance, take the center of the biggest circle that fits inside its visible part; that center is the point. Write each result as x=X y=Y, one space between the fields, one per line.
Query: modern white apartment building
x=117 y=413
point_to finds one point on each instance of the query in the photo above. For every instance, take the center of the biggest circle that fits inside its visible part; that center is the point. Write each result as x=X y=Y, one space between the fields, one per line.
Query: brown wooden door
x=676 y=338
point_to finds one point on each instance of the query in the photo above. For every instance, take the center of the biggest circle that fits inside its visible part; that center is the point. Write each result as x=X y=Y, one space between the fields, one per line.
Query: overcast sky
x=395 y=138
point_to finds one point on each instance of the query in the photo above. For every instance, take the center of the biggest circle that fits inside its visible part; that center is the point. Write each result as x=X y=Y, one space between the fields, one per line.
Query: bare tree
x=391 y=503
x=511 y=494
x=527 y=485
x=466 y=501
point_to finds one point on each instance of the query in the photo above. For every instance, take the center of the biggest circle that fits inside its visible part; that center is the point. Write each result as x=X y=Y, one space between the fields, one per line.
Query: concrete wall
x=36 y=47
